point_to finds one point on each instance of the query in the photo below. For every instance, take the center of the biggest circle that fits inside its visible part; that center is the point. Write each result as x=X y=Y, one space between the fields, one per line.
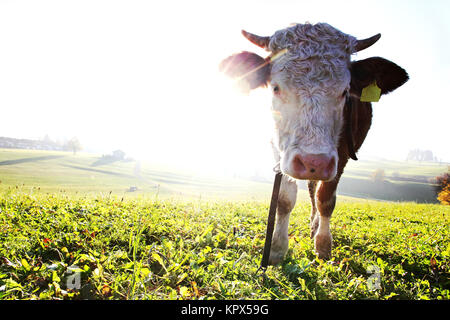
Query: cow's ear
x=388 y=75
x=249 y=69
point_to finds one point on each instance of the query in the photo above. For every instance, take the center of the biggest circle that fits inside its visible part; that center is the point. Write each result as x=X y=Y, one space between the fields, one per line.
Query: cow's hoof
x=322 y=246
x=277 y=253
x=279 y=248
x=275 y=258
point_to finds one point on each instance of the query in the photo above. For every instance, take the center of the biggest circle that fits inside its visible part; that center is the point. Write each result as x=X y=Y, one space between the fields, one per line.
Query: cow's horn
x=365 y=43
x=262 y=42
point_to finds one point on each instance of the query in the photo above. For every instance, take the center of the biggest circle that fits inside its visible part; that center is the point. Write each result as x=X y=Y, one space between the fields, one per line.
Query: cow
x=322 y=111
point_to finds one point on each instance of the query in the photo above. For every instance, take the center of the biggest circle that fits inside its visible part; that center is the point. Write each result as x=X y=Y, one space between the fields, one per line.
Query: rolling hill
x=85 y=173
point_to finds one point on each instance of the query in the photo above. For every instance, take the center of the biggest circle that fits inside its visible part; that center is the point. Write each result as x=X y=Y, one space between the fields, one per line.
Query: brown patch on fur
x=361 y=119
x=326 y=196
x=284 y=206
x=312 y=186
x=387 y=74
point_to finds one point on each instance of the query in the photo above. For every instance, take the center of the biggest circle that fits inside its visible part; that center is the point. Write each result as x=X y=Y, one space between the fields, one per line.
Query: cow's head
x=311 y=76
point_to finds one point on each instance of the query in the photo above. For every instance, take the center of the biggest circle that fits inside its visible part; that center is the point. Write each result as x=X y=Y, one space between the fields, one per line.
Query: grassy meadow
x=87 y=174
x=69 y=229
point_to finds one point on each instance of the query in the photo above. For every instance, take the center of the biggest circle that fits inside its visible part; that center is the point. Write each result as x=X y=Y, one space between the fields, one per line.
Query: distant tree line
x=421 y=155
x=72 y=145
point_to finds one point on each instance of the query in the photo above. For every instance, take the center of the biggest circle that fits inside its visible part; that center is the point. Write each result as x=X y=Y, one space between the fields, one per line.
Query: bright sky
x=143 y=76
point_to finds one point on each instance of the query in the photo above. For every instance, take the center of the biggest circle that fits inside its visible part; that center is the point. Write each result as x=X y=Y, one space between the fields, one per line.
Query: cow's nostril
x=298 y=164
x=312 y=170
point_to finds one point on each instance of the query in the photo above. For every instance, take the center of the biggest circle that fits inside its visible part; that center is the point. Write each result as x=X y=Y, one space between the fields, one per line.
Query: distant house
x=118 y=154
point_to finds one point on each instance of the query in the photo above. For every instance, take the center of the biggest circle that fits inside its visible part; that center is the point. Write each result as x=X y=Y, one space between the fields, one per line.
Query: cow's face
x=310 y=74
x=307 y=127
x=310 y=78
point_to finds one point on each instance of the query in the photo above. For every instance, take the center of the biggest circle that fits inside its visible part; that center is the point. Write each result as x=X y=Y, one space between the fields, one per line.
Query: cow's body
x=319 y=119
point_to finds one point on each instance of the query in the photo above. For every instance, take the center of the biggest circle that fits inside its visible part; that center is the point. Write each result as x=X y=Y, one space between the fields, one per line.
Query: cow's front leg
x=314 y=219
x=325 y=202
x=286 y=202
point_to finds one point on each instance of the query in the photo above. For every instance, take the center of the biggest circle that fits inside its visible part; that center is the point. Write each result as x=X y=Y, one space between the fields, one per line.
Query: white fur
x=324 y=226
x=312 y=75
x=280 y=239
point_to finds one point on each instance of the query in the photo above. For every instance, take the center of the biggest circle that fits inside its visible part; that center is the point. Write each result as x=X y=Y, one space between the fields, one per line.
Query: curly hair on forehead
x=310 y=40
x=317 y=56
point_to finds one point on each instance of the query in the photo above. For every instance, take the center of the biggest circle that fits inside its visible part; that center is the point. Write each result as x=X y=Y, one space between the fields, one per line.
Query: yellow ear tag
x=371 y=93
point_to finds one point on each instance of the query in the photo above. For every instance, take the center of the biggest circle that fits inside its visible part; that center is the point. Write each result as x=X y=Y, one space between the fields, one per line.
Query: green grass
x=86 y=174
x=141 y=248
x=70 y=230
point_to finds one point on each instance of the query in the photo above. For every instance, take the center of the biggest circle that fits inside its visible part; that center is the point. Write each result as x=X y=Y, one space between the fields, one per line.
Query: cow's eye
x=276 y=89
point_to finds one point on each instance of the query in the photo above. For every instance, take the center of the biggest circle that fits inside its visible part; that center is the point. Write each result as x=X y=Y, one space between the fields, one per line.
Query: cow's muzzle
x=313 y=167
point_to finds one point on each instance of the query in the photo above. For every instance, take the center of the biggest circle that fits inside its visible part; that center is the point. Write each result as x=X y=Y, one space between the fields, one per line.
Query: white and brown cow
x=320 y=120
